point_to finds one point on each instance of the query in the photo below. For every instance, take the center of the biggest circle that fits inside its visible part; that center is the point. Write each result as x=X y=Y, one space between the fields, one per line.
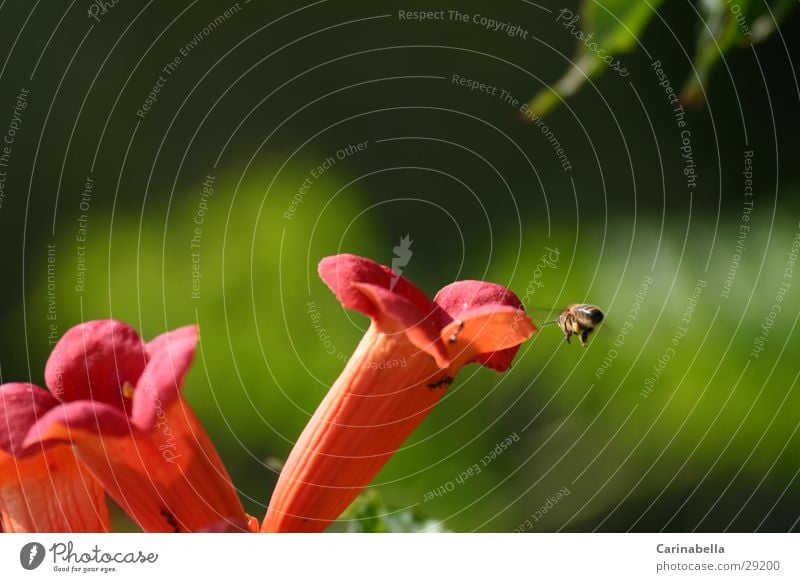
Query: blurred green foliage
x=615 y=27
x=369 y=514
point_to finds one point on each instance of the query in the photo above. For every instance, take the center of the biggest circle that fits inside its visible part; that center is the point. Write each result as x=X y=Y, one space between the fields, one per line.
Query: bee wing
x=591 y=311
x=543 y=315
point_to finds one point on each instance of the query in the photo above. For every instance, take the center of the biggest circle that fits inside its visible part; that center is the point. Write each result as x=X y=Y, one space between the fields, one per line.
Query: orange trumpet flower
x=43 y=488
x=408 y=357
x=122 y=409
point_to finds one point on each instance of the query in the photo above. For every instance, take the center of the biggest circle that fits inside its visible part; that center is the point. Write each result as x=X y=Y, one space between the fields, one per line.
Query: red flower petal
x=94 y=361
x=462 y=300
x=170 y=357
x=21 y=405
x=95 y=417
x=340 y=272
x=458 y=297
x=43 y=488
x=130 y=427
x=396 y=314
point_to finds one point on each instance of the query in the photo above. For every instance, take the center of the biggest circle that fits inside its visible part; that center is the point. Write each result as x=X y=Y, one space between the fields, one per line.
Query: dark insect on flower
x=444 y=381
x=456 y=331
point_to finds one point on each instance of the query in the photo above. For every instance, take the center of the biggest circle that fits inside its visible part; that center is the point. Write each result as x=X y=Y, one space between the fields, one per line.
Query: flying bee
x=579 y=319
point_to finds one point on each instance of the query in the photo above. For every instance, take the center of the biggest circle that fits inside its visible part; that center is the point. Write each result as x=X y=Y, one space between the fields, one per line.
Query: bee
x=579 y=319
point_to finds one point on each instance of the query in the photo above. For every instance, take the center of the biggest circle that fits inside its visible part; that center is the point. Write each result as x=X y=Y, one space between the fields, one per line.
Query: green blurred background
x=607 y=438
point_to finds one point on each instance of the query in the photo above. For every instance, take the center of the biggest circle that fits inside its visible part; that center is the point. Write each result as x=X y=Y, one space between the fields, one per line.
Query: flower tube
x=43 y=487
x=121 y=407
x=374 y=405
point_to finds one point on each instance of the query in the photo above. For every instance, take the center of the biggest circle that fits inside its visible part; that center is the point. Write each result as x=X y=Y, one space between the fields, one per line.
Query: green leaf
x=603 y=29
x=723 y=26
x=727 y=25
x=368 y=514
x=617 y=24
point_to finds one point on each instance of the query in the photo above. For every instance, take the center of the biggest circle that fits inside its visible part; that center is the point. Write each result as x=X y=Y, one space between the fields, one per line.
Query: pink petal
x=340 y=272
x=92 y=417
x=43 y=488
x=463 y=299
x=94 y=360
x=393 y=302
x=458 y=297
x=170 y=357
x=21 y=405
x=395 y=314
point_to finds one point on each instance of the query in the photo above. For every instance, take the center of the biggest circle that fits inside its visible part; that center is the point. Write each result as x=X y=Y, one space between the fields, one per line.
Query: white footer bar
x=388 y=557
